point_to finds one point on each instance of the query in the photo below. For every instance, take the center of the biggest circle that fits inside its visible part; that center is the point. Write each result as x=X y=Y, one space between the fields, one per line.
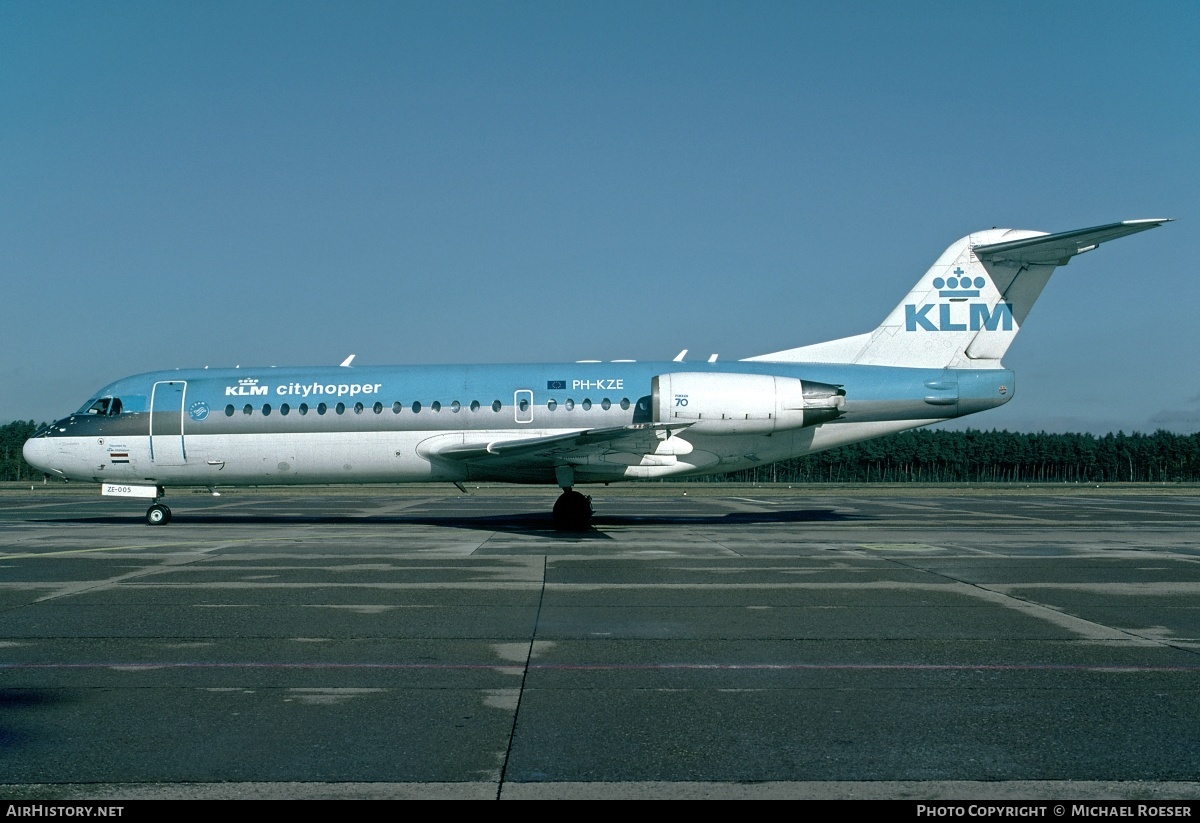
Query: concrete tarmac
x=700 y=641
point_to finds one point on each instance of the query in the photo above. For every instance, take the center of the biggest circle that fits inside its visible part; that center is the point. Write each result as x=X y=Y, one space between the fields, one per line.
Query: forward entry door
x=167 y=447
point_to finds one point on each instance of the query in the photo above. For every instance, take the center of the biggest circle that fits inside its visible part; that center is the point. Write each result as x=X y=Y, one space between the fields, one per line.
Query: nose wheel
x=158 y=515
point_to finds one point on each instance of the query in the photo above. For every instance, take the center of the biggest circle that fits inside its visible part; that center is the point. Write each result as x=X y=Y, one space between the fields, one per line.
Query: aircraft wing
x=1057 y=249
x=553 y=450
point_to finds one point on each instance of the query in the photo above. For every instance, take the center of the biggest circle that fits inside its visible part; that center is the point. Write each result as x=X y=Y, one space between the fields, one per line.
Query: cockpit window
x=110 y=406
x=104 y=407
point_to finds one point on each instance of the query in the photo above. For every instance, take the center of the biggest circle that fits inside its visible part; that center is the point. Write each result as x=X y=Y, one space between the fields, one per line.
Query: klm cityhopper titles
x=936 y=356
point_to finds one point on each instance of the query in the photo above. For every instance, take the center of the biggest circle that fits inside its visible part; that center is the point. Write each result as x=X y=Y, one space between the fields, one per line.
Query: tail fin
x=970 y=305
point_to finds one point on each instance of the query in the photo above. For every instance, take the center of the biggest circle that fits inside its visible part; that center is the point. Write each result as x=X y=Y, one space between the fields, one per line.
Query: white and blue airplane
x=936 y=356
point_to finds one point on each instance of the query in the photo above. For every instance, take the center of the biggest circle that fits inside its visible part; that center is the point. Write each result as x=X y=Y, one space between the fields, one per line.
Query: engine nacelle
x=718 y=403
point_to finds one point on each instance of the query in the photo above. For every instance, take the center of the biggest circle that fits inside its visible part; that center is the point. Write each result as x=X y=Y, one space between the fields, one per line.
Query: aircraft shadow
x=13 y=700
x=532 y=523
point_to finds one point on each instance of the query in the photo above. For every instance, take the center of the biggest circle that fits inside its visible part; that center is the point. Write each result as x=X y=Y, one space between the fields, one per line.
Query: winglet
x=346 y=363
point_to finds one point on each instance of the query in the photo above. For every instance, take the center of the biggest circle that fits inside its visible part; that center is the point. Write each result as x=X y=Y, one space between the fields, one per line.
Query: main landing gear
x=158 y=514
x=572 y=510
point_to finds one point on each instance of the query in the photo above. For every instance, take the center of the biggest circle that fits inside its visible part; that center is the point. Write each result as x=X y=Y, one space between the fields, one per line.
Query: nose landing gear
x=158 y=514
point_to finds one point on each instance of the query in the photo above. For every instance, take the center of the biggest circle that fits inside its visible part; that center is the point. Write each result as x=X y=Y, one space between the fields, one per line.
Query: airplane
x=935 y=357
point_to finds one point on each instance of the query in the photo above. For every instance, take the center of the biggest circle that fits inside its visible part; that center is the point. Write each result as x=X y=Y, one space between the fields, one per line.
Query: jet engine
x=718 y=403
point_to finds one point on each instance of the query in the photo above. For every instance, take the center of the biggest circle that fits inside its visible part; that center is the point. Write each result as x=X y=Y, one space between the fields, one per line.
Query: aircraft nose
x=37 y=453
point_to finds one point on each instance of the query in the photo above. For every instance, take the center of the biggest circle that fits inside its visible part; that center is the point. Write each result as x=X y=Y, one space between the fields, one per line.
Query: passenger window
x=396 y=407
x=284 y=409
x=587 y=404
x=435 y=406
x=496 y=405
x=303 y=408
x=523 y=405
x=358 y=408
x=551 y=404
x=624 y=403
x=247 y=409
x=456 y=407
x=416 y=407
x=266 y=408
x=570 y=404
x=322 y=408
x=606 y=404
x=229 y=410
x=377 y=408
x=474 y=405
x=340 y=408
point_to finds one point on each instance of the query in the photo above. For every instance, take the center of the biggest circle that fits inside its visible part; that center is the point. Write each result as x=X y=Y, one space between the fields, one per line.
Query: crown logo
x=959 y=284
x=248 y=381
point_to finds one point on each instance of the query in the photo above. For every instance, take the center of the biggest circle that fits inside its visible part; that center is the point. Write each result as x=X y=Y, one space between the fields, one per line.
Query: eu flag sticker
x=552 y=385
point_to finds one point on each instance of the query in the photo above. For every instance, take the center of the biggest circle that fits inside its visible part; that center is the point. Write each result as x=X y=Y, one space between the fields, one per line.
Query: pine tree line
x=12 y=438
x=974 y=456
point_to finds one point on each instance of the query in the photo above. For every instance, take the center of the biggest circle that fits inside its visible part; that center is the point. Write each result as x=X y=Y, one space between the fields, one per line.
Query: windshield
x=109 y=406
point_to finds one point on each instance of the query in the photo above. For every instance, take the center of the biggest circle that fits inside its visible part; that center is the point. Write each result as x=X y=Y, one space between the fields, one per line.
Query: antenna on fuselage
x=346 y=363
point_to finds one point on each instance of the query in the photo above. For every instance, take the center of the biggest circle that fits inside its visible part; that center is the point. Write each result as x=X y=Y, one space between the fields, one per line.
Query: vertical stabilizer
x=969 y=306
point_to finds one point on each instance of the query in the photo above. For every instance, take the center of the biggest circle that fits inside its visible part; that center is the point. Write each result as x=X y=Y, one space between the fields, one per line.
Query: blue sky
x=189 y=184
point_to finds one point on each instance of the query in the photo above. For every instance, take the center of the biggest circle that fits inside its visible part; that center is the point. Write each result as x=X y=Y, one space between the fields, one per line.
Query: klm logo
x=949 y=317
x=958 y=315
x=245 y=388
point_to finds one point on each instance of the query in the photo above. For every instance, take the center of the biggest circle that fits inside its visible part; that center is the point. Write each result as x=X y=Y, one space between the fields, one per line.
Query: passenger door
x=167 y=446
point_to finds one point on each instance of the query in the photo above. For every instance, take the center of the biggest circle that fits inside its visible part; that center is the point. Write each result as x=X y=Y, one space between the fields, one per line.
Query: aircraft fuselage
x=228 y=427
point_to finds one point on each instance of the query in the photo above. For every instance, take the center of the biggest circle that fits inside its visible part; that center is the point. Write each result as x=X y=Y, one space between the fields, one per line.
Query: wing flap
x=557 y=448
x=1058 y=249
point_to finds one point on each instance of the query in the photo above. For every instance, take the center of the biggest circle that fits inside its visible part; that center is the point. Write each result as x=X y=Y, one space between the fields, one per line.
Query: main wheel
x=158 y=515
x=572 y=512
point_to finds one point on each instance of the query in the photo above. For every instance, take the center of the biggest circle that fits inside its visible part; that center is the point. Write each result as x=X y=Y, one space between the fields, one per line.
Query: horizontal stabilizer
x=1058 y=249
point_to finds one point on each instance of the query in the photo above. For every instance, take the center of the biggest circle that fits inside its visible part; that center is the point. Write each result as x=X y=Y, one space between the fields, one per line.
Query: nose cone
x=37 y=453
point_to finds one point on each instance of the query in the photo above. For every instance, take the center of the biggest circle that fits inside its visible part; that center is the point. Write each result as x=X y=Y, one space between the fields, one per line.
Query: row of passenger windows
x=435 y=406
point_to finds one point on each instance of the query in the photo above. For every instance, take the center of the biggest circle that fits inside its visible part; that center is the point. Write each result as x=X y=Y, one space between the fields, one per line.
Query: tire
x=572 y=512
x=158 y=515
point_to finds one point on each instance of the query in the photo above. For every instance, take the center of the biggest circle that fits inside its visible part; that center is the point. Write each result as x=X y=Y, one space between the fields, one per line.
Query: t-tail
x=966 y=310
